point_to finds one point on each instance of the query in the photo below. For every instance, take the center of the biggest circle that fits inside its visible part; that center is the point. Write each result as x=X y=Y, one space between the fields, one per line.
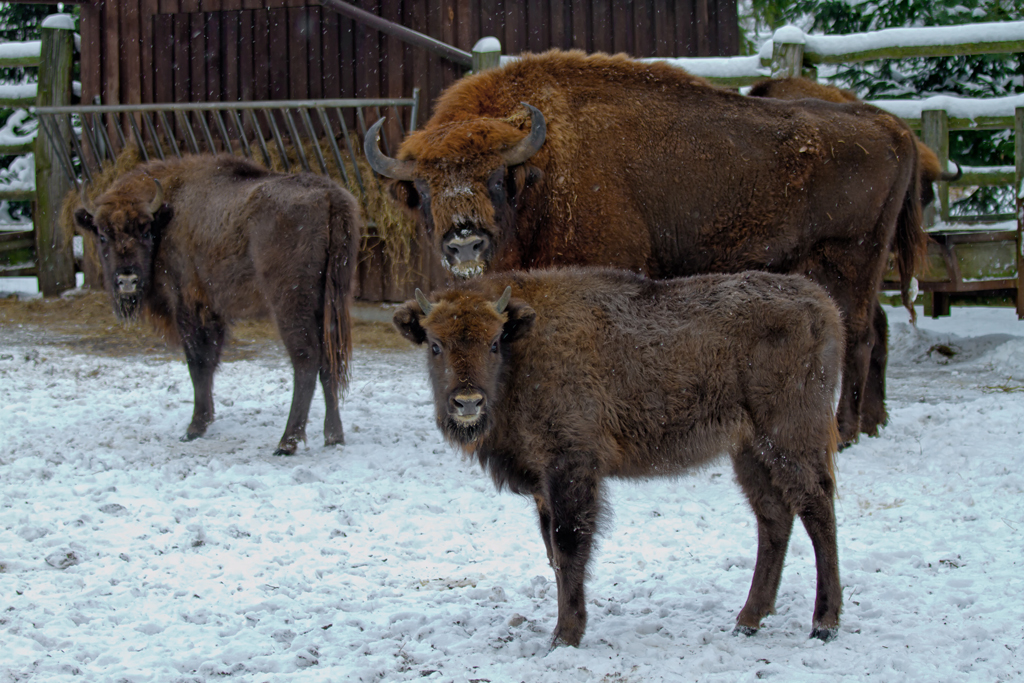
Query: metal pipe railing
x=236 y=129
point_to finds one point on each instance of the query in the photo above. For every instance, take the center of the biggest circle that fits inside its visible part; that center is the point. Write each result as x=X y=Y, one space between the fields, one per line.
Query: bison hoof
x=561 y=639
x=742 y=630
x=825 y=634
x=285 y=450
x=338 y=440
x=191 y=436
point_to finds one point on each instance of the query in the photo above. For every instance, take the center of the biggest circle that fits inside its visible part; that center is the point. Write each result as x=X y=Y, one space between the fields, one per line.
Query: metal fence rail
x=88 y=135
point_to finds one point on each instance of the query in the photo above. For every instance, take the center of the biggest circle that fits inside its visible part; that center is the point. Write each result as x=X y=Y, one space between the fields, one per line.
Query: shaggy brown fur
x=910 y=244
x=648 y=168
x=595 y=373
x=913 y=242
x=230 y=241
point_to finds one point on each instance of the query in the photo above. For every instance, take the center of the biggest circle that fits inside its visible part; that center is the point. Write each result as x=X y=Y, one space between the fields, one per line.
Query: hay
x=86 y=323
x=394 y=228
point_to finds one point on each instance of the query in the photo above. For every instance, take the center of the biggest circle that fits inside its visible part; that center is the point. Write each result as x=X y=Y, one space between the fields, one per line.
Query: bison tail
x=910 y=243
x=344 y=234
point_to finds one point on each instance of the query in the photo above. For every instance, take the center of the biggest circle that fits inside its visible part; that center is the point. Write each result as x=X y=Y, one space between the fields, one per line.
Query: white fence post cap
x=64 y=21
x=487 y=44
x=790 y=35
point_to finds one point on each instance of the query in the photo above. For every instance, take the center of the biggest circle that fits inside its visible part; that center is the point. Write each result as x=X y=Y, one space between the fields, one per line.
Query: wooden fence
x=54 y=261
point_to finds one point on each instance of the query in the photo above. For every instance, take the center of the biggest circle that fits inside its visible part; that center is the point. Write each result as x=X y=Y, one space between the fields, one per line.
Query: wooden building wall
x=141 y=51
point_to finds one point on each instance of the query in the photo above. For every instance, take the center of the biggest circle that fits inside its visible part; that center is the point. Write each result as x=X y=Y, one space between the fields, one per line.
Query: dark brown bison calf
x=200 y=242
x=557 y=379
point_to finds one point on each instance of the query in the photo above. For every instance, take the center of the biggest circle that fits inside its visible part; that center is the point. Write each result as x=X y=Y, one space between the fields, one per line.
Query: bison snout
x=464 y=249
x=127 y=284
x=465 y=252
x=466 y=407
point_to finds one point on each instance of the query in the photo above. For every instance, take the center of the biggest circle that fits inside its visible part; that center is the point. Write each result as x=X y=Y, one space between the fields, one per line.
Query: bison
x=564 y=158
x=557 y=379
x=200 y=242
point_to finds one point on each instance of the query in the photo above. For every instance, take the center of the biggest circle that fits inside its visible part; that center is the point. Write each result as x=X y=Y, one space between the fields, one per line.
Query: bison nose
x=462 y=249
x=467 y=405
x=127 y=284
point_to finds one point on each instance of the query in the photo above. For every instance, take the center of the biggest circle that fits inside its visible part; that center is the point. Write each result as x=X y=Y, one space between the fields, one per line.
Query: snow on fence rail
x=895 y=43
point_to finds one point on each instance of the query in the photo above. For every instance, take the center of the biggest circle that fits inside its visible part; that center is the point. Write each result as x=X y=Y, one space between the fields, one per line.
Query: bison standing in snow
x=557 y=379
x=642 y=166
x=200 y=242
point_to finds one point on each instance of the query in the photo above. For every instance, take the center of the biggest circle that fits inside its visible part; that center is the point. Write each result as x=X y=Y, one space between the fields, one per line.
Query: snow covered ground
x=127 y=555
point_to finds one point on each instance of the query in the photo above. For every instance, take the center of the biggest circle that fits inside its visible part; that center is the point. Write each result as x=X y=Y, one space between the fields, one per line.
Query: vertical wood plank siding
x=225 y=50
x=144 y=51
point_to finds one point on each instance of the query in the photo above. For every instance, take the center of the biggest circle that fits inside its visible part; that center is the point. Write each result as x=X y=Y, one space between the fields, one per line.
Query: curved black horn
x=84 y=196
x=947 y=176
x=158 y=198
x=529 y=145
x=382 y=164
x=422 y=301
x=502 y=302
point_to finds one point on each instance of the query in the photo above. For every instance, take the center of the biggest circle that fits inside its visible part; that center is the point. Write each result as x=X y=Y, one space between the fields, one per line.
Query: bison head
x=468 y=337
x=466 y=180
x=127 y=230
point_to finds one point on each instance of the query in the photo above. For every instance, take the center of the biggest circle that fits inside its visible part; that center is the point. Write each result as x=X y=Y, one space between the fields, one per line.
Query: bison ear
x=407 y=322
x=162 y=217
x=84 y=221
x=523 y=177
x=405 y=194
x=520 y=320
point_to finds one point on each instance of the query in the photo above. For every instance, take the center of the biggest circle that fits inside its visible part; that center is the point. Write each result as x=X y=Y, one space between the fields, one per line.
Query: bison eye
x=435 y=349
x=494 y=346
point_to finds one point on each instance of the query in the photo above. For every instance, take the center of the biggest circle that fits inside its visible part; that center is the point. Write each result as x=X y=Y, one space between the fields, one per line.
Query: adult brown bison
x=645 y=167
x=200 y=242
x=557 y=379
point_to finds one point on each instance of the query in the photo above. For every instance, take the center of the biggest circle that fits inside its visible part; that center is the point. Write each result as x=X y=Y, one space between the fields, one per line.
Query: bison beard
x=197 y=243
x=648 y=168
x=585 y=374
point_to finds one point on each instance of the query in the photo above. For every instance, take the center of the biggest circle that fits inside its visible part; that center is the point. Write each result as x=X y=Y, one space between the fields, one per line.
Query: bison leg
x=801 y=481
x=305 y=367
x=203 y=345
x=774 y=525
x=573 y=503
x=819 y=518
x=874 y=416
x=334 y=434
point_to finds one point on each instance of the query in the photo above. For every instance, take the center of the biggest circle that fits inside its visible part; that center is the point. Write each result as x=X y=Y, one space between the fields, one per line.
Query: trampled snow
x=127 y=555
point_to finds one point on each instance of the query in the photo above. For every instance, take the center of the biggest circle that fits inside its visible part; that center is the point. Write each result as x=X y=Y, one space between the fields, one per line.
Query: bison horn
x=501 y=303
x=422 y=301
x=158 y=198
x=382 y=164
x=89 y=206
x=529 y=145
x=947 y=176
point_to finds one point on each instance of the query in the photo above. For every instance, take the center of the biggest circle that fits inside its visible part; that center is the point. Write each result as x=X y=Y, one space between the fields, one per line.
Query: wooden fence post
x=935 y=134
x=787 y=52
x=486 y=54
x=1018 y=188
x=55 y=262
